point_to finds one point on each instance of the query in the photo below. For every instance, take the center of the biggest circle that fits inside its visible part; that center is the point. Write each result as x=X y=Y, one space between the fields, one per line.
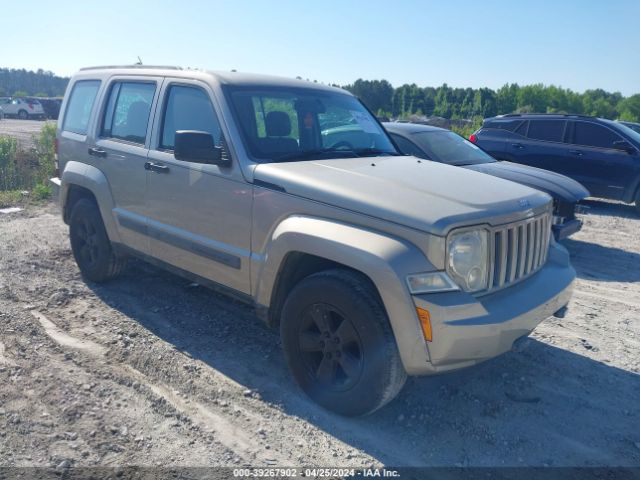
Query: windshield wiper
x=369 y=152
x=306 y=154
x=359 y=152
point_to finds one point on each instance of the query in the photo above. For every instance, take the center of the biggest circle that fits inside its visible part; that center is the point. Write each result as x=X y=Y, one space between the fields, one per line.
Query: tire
x=339 y=345
x=90 y=244
x=23 y=115
x=638 y=201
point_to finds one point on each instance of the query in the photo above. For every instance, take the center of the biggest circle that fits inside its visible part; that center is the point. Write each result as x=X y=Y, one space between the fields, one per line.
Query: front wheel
x=23 y=115
x=90 y=244
x=339 y=345
x=638 y=201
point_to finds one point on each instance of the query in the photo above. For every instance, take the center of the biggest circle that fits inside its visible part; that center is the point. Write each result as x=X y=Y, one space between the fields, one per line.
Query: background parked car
x=602 y=155
x=632 y=125
x=51 y=106
x=445 y=146
x=22 y=108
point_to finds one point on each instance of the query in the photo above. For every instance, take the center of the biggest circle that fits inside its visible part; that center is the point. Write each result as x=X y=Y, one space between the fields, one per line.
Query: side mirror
x=198 y=147
x=624 y=146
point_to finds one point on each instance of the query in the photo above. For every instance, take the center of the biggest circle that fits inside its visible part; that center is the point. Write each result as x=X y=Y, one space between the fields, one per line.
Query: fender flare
x=385 y=259
x=91 y=178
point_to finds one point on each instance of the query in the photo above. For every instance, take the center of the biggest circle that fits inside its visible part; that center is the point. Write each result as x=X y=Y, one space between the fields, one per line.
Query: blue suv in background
x=603 y=155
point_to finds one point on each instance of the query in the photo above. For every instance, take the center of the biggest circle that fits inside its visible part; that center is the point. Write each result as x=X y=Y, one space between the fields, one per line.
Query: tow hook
x=582 y=209
x=562 y=312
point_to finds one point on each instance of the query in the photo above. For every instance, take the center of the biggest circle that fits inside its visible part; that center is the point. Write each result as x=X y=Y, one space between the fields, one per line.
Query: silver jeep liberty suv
x=291 y=196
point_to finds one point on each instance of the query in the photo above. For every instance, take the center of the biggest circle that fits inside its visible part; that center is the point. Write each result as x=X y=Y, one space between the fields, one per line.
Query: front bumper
x=55 y=188
x=468 y=330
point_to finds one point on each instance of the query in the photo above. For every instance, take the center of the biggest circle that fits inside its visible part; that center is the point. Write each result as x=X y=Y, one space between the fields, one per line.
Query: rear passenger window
x=188 y=108
x=83 y=95
x=522 y=129
x=548 y=130
x=127 y=113
x=592 y=135
x=509 y=125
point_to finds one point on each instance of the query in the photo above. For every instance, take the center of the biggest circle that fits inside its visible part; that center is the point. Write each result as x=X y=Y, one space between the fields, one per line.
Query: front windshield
x=632 y=130
x=448 y=147
x=291 y=124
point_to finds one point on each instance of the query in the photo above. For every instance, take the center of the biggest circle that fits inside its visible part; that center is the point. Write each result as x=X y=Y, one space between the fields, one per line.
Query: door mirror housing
x=624 y=146
x=198 y=147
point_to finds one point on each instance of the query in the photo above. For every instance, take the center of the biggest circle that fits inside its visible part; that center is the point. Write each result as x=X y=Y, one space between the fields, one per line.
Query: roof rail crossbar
x=506 y=115
x=105 y=67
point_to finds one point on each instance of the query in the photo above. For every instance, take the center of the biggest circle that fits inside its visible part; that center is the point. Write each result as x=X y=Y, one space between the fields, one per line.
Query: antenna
x=139 y=61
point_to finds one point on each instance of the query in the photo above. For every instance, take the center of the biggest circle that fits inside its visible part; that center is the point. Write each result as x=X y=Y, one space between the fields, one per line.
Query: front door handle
x=519 y=146
x=155 y=167
x=97 y=152
x=577 y=153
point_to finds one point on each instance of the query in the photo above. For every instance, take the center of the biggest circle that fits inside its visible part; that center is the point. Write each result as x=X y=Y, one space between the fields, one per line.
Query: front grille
x=518 y=250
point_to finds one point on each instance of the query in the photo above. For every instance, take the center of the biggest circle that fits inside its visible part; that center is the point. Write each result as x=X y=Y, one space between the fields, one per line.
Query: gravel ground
x=26 y=131
x=152 y=370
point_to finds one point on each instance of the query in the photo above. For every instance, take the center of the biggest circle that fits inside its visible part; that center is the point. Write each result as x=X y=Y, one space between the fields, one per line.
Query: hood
x=424 y=195
x=558 y=186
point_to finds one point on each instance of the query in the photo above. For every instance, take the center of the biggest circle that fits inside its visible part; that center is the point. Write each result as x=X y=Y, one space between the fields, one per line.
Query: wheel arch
x=295 y=267
x=301 y=246
x=80 y=180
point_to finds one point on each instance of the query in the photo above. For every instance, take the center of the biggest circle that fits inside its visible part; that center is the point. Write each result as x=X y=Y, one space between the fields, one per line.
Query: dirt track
x=150 y=370
x=25 y=131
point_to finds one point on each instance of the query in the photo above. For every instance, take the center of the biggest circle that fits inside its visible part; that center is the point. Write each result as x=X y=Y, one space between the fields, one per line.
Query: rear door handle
x=155 y=167
x=519 y=146
x=577 y=153
x=97 y=152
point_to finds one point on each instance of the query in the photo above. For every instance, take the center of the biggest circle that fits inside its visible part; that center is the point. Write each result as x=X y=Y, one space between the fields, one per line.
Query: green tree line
x=455 y=103
x=384 y=99
x=22 y=83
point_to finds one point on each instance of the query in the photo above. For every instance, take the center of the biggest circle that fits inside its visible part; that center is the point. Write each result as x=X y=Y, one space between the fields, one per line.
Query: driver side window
x=188 y=108
x=591 y=135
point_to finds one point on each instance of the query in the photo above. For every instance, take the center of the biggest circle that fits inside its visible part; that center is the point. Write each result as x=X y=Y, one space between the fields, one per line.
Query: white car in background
x=21 y=108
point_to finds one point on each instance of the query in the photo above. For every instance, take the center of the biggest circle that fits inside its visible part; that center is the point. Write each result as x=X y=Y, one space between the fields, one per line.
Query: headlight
x=467 y=259
x=430 y=282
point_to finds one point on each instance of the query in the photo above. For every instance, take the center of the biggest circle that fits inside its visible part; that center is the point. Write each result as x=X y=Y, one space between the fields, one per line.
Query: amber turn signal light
x=425 y=323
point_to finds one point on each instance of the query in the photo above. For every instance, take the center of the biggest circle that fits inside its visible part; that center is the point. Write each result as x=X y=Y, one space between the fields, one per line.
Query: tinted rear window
x=592 y=135
x=509 y=125
x=83 y=96
x=547 y=130
x=451 y=148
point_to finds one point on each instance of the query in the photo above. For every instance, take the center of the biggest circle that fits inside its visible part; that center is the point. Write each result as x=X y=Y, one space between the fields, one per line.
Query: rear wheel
x=638 y=201
x=90 y=244
x=23 y=115
x=339 y=345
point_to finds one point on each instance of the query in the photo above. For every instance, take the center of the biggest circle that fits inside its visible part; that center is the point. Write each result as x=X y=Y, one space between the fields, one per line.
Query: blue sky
x=577 y=44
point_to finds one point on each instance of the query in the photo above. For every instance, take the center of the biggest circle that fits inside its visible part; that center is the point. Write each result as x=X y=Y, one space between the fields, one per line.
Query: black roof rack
x=105 y=67
x=545 y=114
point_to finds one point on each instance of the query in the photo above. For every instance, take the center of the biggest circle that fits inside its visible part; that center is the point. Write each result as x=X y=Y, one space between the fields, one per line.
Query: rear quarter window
x=80 y=105
x=509 y=125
